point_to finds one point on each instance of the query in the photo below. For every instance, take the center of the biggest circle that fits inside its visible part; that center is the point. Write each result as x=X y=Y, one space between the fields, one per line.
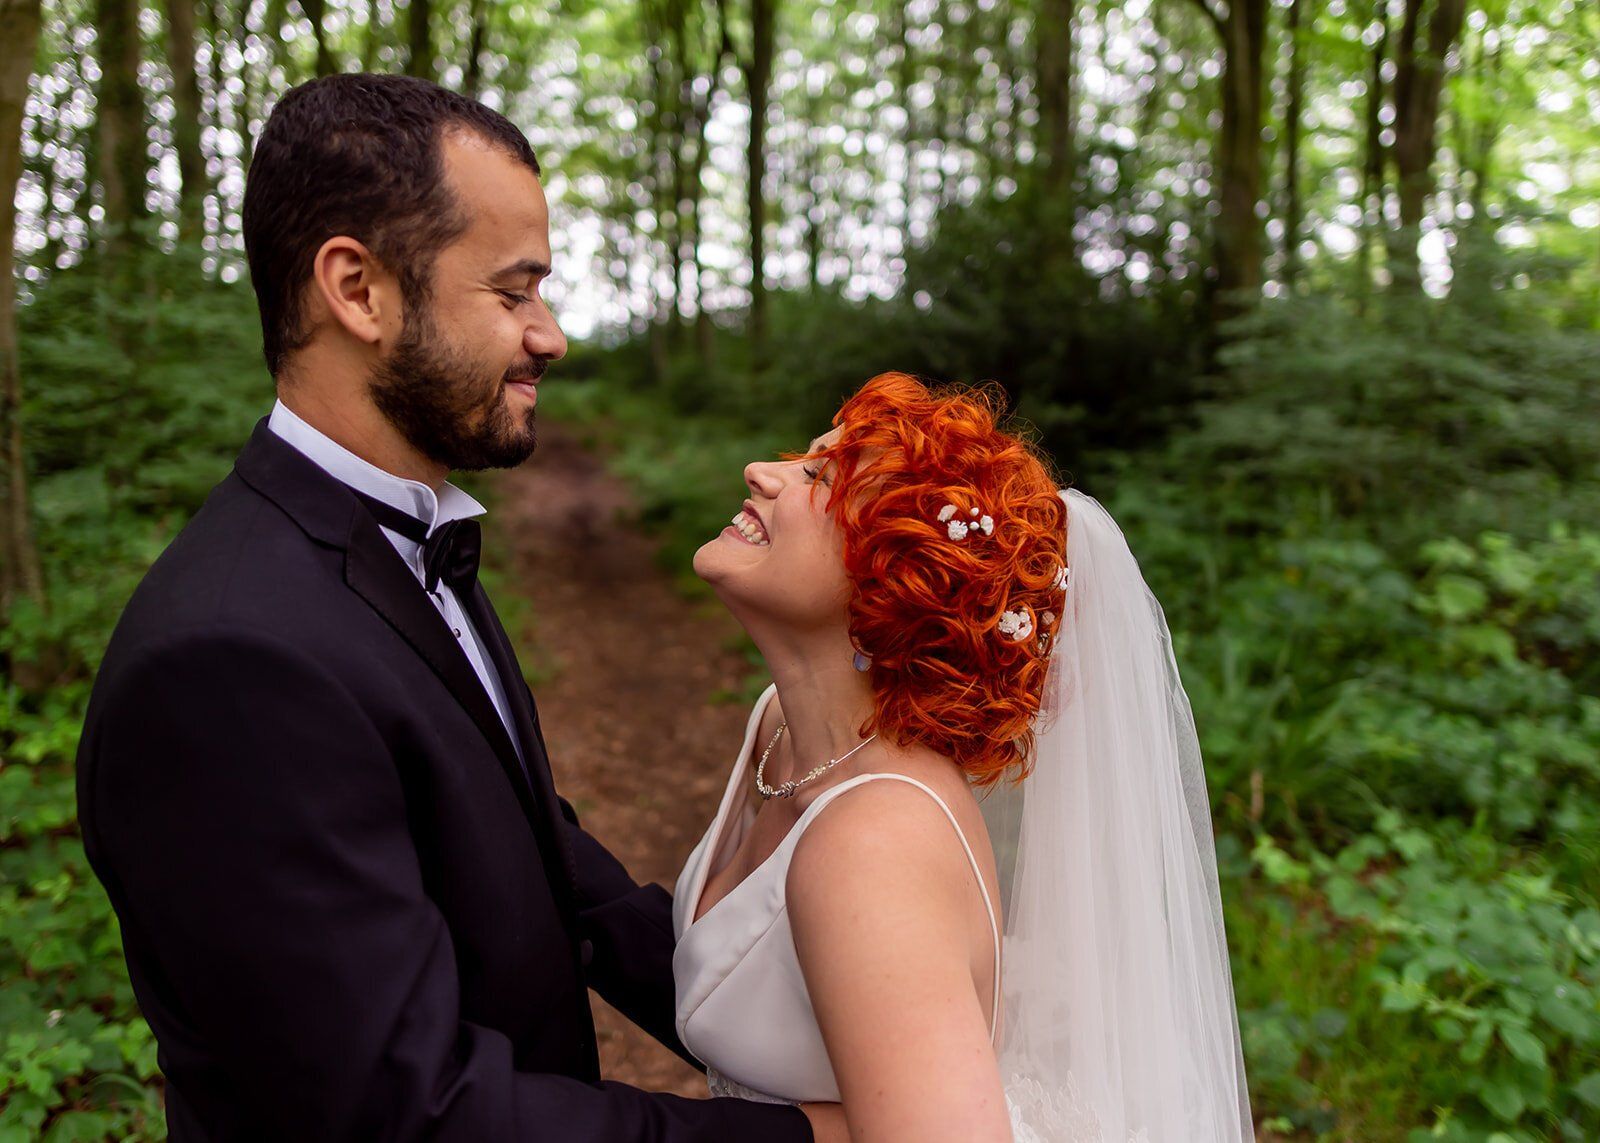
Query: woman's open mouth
x=749 y=528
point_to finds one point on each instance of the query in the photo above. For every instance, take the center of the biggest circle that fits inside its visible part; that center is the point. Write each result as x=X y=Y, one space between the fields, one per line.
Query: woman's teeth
x=751 y=529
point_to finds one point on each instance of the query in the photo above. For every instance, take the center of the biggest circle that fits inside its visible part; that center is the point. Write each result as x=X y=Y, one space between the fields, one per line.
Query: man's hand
x=827 y=1122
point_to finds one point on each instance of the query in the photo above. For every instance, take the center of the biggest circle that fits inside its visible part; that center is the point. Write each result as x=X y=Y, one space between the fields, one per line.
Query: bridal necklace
x=787 y=789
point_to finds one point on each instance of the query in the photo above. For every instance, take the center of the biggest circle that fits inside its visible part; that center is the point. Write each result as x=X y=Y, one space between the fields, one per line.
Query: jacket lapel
x=525 y=716
x=330 y=514
x=375 y=572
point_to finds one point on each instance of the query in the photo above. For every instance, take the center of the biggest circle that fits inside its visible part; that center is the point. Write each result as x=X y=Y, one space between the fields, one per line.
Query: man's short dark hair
x=358 y=155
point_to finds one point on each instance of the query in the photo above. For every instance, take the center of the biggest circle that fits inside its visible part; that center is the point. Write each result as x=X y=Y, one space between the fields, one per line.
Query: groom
x=311 y=776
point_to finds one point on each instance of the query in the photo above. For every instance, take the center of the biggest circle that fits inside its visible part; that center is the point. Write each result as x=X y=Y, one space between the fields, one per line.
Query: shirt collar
x=410 y=496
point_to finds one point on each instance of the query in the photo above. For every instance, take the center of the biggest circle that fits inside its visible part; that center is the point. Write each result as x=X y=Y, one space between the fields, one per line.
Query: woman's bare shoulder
x=889 y=827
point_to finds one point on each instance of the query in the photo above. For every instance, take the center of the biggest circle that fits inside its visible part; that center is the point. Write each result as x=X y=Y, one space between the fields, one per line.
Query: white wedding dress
x=742 y=1005
x=743 y=1009
x=1115 y=1001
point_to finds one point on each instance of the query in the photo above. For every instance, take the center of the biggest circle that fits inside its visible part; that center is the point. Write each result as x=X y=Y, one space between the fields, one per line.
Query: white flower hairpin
x=1016 y=625
x=959 y=529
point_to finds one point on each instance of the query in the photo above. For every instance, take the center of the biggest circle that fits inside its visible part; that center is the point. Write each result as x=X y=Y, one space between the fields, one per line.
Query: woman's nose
x=763 y=479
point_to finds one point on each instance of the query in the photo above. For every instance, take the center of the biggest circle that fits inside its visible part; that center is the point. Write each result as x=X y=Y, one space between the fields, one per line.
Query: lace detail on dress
x=1061 y=1115
x=722 y=1085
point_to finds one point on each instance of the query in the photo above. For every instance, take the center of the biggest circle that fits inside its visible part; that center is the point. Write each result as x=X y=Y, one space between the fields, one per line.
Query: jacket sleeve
x=628 y=928
x=248 y=821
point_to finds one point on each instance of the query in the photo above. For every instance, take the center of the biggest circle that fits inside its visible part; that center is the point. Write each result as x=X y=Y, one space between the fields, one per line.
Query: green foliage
x=136 y=404
x=1481 y=956
x=1418 y=418
x=1373 y=535
x=685 y=473
x=1374 y=539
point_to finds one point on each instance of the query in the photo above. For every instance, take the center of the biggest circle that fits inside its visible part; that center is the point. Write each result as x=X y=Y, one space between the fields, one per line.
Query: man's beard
x=440 y=402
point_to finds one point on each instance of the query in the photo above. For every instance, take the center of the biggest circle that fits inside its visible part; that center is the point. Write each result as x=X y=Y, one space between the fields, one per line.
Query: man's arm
x=628 y=927
x=250 y=826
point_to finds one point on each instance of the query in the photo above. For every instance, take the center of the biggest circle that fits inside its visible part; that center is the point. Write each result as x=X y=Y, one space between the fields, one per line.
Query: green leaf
x=1504 y=1099
x=1565 y=1015
x=1524 y=1045
x=1486 y=641
x=1477 y=1045
x=1330 y=1023
x=1456 y=597
x=1588 y=1090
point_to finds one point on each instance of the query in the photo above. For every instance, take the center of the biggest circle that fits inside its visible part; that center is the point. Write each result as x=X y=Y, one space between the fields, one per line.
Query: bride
x=967 y=664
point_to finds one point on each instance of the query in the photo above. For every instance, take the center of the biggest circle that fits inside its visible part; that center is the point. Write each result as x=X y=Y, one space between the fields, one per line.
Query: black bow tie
x=450 y=554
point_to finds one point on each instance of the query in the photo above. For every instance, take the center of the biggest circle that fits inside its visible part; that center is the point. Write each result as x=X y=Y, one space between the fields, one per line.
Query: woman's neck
x=825 y=699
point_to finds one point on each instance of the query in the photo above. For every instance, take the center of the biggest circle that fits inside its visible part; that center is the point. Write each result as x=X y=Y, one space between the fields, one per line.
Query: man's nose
x=544 y=338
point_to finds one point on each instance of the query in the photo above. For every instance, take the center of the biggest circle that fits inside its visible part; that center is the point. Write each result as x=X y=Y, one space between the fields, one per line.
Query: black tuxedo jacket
x=349 y=911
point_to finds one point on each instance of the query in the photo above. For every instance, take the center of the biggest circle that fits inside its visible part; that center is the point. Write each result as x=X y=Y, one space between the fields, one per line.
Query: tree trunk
x=939 y=112
x=187 y=117
x=19 y=560
x=1293 y=208
x=1154 y=101
x=1238 y=167
x=758 y=77
x=906 y=74
x=811 y=172
x=316 y=12
x=701 y=108
x=1477 y=149
x=472 y=82
x=277 y=15
x=1477 y=132
x=120 y=119
x=1054 y=66
x=247 y=92
x=655 y=178
x=1011 y=67
x=235 y=20
x=1372 y=181
x=1418 y=85
x=369 y=40
x=54 y=138
x=703 y=331
x=678 y=124
x=419 y=39
x=217 y=33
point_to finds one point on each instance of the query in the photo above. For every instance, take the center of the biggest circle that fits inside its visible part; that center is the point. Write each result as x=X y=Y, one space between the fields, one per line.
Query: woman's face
x=782 y=557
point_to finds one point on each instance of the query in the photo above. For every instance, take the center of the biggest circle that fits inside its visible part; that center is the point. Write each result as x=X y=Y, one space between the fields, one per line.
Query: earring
x=862 y=662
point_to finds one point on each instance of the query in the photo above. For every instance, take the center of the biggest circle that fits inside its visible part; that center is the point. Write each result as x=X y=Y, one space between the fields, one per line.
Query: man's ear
x=356 y=290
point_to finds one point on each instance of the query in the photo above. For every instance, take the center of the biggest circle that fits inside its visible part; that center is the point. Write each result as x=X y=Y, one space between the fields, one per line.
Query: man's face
x=461 y=382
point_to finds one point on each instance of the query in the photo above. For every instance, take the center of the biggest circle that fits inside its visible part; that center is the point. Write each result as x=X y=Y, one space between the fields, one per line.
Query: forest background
x=1308 y=291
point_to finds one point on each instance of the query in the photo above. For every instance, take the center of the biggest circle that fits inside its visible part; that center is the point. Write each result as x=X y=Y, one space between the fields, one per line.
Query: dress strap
x=977 y=871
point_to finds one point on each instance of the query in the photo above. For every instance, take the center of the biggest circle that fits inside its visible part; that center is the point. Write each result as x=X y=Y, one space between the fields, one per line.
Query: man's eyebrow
x=522 y=268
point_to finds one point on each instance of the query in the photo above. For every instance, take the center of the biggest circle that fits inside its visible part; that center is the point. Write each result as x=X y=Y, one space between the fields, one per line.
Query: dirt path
x=626 y=672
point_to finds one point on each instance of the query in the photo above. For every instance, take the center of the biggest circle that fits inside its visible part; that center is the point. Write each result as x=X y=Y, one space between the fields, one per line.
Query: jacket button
x=586 y=952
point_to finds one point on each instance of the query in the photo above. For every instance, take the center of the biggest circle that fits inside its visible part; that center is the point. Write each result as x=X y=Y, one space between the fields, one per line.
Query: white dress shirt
x=415 y=499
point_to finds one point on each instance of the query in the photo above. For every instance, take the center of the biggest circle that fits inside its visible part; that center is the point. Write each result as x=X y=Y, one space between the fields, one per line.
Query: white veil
x=1119 y=1020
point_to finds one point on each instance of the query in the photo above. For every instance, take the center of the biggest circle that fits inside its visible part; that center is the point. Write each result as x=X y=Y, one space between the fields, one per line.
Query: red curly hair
x=926 y=607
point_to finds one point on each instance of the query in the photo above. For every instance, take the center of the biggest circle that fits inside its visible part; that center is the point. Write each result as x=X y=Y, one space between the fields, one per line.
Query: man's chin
x=508 y=450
